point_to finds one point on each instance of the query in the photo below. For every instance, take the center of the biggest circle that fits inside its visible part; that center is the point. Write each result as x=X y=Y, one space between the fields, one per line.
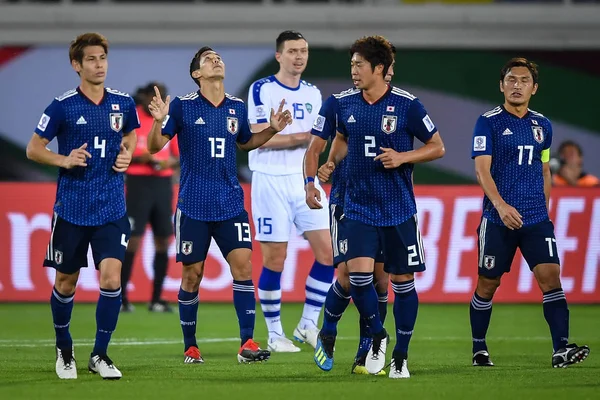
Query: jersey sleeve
x=482 y=138
x=245 y=133
x=325 y=125
x=258 y=103
x=174 y=121
x=51 y=121
x=548 y=139
x=132 y=121
x=419 y=123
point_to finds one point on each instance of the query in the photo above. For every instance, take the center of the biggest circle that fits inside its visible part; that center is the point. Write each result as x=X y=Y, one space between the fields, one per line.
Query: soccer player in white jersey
x=278 y=200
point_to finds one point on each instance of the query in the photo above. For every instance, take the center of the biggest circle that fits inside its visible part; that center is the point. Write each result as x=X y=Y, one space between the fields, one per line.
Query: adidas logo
x=507 y=132
x=81 y=121
x=351 y=119
x=200 y=121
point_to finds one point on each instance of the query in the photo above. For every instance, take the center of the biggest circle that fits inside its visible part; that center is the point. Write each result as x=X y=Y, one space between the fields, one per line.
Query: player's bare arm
x=290 y=141
x=338 y=151
x=159 y=110
x=432 y=150
x=278 y=122
x=38 y=152
x=547 y=183
x=124 y=157
x=311 y=161
x=509 y=215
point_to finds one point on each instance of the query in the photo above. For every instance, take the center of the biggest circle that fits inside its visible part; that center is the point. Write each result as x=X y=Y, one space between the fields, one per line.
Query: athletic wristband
x=308 y=179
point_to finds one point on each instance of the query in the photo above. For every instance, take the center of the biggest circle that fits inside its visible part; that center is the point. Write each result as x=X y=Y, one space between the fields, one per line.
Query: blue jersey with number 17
x=374 y=195
x=209 y=188
x=516 y=146
x=92 y=195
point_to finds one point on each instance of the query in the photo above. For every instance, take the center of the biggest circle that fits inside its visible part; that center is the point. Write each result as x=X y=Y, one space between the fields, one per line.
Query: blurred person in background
x=569 y=167
x=150 y=200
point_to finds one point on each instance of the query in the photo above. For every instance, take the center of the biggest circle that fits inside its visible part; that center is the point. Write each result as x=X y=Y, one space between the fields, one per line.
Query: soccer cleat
x=308 y=335
x=359 y=368
x=399 y=367
x=482 y=359
x=282 y=344
x=572 y=354
x=103 y=366
x=324 y=351
x=66 y=368
x=127 y=307
x=160 y=306
x=193 y=356
x=250 y=352
x=375 y=361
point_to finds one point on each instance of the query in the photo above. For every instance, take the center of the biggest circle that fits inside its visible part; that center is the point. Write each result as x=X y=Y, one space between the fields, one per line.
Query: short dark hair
x=376 y=50
x=569 y=143
x=85 y=40
x=195 y=64
x=286 y=36
x=520 y=62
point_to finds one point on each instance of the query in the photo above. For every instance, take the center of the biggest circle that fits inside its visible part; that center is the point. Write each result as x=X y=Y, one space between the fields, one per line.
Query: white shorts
x=279 y=202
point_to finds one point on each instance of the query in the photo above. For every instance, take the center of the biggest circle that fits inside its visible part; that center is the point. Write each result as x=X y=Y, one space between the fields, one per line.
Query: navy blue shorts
x=497 y=246
x=69 y=243
x=401 y=245
x=192 y=237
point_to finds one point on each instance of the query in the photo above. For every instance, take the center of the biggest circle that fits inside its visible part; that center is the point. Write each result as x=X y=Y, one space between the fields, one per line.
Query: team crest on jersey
x=186 y=247
x=388 y=123
x=58 y=257
x=116 y=121
x=308 y=107
x=538 y=134
x=489 y=262
x=343 y=246
x=232 y=125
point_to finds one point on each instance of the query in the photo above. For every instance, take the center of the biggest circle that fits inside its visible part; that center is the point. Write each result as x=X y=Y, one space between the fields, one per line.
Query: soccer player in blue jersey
x=210 y=126
x=377 y=125
x=338 y=296
x=511 y=148
x=95 y=129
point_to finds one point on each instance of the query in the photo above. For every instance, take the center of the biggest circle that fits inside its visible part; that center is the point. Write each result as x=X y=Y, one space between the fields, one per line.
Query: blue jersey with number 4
x=92 y=195
x=515 y=145
x=209 y=188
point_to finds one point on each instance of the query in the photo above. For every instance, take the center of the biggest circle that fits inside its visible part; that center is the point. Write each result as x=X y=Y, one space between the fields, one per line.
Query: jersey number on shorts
x=264 y=226
x=243 y=231
x=551 y=240
x=217 y=147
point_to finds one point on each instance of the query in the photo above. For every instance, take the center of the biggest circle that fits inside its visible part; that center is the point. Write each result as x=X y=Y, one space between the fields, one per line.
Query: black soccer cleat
x=482 y=359
x=571 y=354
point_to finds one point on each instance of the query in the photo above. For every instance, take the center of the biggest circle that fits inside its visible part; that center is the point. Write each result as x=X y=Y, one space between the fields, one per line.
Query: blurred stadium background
x=449 y=54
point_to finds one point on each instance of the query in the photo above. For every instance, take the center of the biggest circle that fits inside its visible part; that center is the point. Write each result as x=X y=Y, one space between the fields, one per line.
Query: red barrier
x=448 y=216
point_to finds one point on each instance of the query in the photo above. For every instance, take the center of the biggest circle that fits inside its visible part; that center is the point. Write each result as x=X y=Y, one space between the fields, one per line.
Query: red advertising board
x=448 y=216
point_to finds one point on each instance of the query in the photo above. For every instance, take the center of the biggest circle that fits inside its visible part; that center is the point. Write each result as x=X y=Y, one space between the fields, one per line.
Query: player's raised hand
x=510 y=216
x=325 y=171
x=123 y=160
x=313 y=196
x=390 y=158
x=157 y=107
x=77 y=158
x=281 y=119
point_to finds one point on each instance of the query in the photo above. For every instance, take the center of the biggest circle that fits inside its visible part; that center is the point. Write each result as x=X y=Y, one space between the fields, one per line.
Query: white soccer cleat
x=375 y=361
x=103 y=366
x=66 y=368
x=282 y=344
x=307 y=336
x=400 y=371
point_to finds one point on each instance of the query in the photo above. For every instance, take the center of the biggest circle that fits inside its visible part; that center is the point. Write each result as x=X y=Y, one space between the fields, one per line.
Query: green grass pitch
x=148 y=349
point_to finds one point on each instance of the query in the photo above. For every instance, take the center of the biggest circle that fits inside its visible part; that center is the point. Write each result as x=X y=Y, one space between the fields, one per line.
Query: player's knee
x=486 y=287
x=274 y=258
x=548 y=276
x=343 y=279
x=161 y=244
x=190 y=279
x=110 y=281
x=65 y=284
x=241 y=271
